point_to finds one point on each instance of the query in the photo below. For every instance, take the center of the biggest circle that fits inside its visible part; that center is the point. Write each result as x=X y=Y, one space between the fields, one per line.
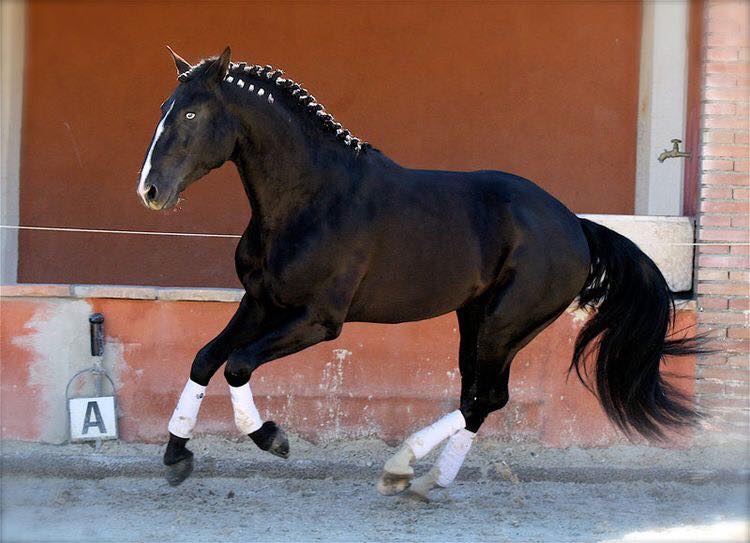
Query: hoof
x=180 y=470
x=271 y=438
x=391 y=484
x=418 y=496
x=421 y=486
x=178 y=459
x=280 y=445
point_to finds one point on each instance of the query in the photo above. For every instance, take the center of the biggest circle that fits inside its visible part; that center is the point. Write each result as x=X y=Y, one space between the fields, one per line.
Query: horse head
x=195 y=134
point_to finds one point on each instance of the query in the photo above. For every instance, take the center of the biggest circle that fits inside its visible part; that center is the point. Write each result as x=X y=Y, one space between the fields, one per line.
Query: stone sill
x=597 y=217
x=667 y=240
x=171 y=294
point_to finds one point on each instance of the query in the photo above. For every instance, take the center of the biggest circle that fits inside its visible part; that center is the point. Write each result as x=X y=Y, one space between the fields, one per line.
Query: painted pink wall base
x=375 y=380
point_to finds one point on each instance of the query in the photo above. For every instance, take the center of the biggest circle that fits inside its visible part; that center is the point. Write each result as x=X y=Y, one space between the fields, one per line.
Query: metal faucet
x=674 y=152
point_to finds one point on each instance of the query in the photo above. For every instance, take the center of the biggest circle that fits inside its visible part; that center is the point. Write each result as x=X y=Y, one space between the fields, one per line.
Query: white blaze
x=147 y=165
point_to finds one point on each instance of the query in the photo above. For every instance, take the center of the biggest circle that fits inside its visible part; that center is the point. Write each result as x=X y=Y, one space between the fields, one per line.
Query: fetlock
x=176 y=450
x=421 y=486
x=400 y=463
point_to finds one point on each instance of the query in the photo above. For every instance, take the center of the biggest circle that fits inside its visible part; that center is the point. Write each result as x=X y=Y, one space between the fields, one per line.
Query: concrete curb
x=99 y=466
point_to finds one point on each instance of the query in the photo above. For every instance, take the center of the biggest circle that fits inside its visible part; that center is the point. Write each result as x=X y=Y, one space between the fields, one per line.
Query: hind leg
x=456 y=449
x=442 y=474
x=499 y=329
x=397 y=472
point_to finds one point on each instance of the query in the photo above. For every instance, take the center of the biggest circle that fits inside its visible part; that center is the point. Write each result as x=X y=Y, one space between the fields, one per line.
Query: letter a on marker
x=93 y=409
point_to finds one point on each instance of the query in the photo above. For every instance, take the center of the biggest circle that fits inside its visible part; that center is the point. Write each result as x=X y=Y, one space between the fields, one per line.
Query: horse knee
x=238 y=370
x=204 y=366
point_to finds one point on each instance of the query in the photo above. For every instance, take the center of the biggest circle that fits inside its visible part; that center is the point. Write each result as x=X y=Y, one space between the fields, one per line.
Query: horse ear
x=180 y=63
x=219 y=68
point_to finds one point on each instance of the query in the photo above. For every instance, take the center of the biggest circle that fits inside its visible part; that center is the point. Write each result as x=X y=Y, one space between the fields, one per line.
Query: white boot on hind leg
x=397 y=473
x=446 y=468
x=423 y=441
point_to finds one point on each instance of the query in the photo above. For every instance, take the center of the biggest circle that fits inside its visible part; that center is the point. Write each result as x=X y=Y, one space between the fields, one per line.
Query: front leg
x=295 y=332
x=245 y=322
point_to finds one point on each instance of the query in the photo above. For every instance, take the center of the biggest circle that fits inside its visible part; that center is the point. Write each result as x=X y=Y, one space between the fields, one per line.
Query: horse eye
x=190 y=115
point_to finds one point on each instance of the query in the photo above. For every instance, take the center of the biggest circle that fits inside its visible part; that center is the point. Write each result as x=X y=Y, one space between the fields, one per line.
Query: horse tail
x=634 y=313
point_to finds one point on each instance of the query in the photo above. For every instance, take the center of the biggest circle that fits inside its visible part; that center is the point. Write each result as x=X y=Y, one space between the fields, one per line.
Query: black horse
x=341 y=233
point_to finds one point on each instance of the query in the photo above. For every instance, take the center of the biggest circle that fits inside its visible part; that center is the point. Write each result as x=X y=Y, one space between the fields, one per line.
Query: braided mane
x=298 y=94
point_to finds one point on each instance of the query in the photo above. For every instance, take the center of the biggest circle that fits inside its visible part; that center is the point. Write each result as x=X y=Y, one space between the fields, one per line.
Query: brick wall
x=723 y=270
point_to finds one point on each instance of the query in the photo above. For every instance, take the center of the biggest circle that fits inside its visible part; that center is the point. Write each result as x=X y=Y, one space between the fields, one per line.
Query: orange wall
x=545 y=90
x=378 y=380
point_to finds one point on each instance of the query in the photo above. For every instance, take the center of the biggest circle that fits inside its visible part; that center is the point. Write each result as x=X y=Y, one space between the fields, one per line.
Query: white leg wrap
x=426 y=439
x=246 y=415
x=186 y=413
x=453 y=456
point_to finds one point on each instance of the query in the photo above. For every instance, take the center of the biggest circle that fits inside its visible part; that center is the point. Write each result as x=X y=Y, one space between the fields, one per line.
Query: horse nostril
x=151 y=193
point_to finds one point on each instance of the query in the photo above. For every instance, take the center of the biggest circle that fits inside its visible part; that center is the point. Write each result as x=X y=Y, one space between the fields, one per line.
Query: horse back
x=440 y=239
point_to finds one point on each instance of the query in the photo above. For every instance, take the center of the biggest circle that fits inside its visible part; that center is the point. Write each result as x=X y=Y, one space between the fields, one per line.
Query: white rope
x=133 y=232
x=704 y=244
x=237 y=236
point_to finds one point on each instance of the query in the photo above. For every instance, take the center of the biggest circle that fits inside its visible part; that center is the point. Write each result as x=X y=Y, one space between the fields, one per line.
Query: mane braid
x=293 y=90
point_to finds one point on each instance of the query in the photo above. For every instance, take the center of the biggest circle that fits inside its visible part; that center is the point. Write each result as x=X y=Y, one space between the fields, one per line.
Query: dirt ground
x=328 y=494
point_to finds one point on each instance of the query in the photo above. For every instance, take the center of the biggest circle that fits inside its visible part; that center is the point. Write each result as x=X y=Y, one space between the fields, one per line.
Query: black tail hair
x=635 y=310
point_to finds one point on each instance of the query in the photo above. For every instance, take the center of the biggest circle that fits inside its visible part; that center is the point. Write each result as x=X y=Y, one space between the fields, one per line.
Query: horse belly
x=416 y=288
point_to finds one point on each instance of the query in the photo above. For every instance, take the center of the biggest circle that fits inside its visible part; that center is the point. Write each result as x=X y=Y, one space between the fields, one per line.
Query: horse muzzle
x=157 y=199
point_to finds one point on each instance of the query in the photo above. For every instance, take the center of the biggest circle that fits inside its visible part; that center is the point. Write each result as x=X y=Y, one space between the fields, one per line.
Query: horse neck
x=285 y=167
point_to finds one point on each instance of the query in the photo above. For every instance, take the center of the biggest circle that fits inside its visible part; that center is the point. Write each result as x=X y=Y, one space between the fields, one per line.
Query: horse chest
x=294 y=269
